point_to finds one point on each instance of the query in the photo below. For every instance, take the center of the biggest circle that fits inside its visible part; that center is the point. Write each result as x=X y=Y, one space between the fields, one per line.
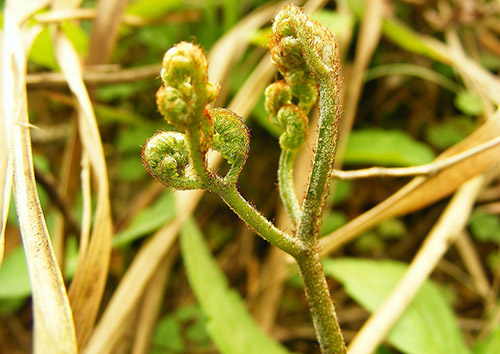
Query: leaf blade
x=229 y=323
x=427 y=326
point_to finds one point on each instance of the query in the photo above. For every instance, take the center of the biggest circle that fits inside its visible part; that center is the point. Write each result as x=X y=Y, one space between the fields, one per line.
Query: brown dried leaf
x=53 y=324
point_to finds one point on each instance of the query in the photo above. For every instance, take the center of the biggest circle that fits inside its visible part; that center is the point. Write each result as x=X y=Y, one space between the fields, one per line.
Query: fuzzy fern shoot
x=306 y=55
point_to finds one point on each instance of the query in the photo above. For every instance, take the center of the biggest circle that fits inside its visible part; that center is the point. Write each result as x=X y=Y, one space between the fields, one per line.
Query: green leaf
x=338 y=23
x=449 y=132
x=386 y=148
x=332 y=220
x=14 y=278
x=229 y=324
x=485 y=226
x=427 y=326
x=131 y=169
x=469 y=103
x=490 y=345
x=148 y=220
x=42 y=51
x=153 y=8
x=167 y=336
x=409 y=40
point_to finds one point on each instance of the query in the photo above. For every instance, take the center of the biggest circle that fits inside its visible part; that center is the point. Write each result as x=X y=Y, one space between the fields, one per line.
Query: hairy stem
x=257 y=222
x=198 y=158
x=323 y=161
x=287 y=187
x=322 y=309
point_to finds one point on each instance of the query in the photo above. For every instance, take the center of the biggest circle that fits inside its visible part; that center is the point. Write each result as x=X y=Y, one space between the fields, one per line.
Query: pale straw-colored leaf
x=152 y=305
x=6 y=166
x=88 y=284
x=53 y=324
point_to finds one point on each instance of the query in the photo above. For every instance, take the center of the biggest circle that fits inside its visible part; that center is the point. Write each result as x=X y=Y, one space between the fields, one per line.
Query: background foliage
x=419 y=78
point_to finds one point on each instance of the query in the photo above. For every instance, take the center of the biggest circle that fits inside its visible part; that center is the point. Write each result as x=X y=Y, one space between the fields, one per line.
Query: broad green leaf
x=14 y=278
x=490 y=345
x=131 y=169
x=427 y=326
x=407 y=39
x=485 y=226
x=42 y=51
x=148 y=220
x=228 y=322
x=332 y=220
x=386 y=148
x=450 y=132
x=469 y=103
x=186 y=327
x=153 y=8
x=337 y=22
x=167 y=336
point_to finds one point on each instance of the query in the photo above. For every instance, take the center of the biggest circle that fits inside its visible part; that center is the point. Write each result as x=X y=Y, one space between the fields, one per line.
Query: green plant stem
x=322 y=164
x=257 y=222
x=322 y=308
x=287 y=186
x=198 y=158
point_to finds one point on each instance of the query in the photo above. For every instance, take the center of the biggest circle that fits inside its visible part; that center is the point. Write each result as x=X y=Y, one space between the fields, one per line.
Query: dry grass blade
x=6 y=166
x=105 y=30
x=90 y=278
x=472 y=261
x=427 y=169
x=442 y=235
x=422 y=191
x=53 y=324
x=152 y=305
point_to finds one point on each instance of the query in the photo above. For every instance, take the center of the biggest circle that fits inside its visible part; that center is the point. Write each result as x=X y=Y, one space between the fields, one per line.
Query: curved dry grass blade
x=442 y=235
x=53 y=324
x=151 y=305
x=6 y=161
x=422 y=191
x=88 y=284
x=105 y=30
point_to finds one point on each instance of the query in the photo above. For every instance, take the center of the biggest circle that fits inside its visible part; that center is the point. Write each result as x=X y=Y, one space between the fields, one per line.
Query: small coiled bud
x=183 y=61
x=277 y=95
x=166 y=157
x=166 y=154
x=186 y=91
x=296 y=125
x=231 y=139
x=295 y=35
x=172 y=106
